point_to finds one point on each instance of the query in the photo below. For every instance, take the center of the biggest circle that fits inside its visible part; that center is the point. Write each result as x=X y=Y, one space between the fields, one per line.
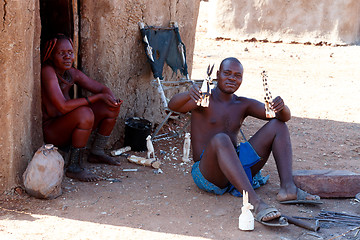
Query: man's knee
x=277 y=124
x=221 y=139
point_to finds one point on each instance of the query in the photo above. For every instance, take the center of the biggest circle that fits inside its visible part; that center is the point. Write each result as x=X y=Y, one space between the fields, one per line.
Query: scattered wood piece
x=151 y=162
x=130 y=170
x=119 y=151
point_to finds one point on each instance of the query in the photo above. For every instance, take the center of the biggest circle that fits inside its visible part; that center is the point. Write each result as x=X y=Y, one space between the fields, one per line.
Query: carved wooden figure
x=246 y=218
x=268 y=98
x=150 y=147
x=205 y=94
x=186 y=148
x=205 y=89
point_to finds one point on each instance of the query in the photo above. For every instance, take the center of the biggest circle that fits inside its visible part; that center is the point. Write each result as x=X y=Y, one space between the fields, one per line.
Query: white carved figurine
x=246 y=218
x=186 y=148
x=150 y=147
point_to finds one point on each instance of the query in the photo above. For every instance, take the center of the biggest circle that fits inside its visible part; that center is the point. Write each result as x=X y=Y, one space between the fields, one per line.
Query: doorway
x=59 y=16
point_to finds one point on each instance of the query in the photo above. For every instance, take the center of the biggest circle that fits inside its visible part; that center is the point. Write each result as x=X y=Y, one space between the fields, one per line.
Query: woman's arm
x=100 y=91
x=50 y=87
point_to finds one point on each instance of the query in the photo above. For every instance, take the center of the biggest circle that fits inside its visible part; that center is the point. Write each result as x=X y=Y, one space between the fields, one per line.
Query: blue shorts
x=248 y=157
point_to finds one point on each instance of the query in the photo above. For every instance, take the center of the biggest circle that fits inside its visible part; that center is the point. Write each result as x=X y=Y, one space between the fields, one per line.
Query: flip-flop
x=357 y=196
x=276 y=222
x=301 y=199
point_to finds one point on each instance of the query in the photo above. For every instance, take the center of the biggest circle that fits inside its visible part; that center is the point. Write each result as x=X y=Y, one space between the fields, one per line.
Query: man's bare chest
x=225 y=118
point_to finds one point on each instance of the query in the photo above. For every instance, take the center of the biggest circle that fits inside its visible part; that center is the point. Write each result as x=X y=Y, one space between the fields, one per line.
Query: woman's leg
x=73 y=129
x=105 y=119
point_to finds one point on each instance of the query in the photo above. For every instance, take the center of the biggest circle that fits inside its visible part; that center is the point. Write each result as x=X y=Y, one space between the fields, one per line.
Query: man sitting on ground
x=214 y=132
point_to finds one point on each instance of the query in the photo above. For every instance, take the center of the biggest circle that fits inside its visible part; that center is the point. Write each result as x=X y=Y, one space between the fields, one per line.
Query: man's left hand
x=278 y=104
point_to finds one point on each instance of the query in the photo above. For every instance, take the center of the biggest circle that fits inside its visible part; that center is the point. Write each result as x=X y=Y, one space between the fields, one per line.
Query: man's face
x=229 y=76
x=63 y=55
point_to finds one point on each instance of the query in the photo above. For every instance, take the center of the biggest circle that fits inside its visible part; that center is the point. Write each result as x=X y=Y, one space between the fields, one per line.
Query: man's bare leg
x=220 y=165
x=274 y=136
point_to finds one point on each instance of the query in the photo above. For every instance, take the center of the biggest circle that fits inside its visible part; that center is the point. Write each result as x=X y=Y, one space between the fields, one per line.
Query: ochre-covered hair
x=50 y=45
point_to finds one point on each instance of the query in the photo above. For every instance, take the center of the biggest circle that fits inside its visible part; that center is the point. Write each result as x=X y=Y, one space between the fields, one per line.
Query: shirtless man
x=69 y=121
x=214 y=132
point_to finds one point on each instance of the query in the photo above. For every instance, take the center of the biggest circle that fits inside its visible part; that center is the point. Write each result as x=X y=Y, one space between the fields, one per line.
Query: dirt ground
x=321 y=86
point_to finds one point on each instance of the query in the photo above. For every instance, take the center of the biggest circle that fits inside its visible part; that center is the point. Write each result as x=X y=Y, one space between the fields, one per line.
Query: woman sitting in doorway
x=69 y=122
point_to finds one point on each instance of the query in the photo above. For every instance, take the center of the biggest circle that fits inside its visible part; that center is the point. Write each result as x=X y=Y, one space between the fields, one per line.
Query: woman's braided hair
x=50 y=45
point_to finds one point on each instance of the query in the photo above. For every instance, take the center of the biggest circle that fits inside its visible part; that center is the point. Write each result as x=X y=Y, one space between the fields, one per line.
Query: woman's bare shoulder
x=47 y=72
x=77 y=75
x=47 y=67
x=74 y=72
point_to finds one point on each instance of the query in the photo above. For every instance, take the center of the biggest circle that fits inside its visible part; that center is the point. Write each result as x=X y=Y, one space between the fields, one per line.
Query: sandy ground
x=320 y=84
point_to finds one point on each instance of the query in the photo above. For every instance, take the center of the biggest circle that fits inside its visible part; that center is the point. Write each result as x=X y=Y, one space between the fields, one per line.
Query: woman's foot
x=82 y=175
x=104 y=159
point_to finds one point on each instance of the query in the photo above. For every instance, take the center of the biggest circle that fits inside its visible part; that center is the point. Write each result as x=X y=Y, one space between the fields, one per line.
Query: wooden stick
x=341 y=235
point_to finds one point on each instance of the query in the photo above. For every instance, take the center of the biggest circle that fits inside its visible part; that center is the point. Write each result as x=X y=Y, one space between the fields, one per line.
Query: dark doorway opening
x=56 y=17
x=60 y=16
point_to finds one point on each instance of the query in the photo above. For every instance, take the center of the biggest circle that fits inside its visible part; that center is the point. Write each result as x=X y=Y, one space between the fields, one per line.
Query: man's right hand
x=194 y=93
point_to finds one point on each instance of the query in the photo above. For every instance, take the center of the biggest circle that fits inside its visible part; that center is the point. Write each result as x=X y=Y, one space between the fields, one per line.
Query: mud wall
x=332 y=21
x=112 y=50
x=20 y=112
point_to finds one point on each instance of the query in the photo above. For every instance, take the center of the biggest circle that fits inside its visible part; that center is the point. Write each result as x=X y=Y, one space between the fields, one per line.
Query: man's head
x=229 y=75
x=60 y=51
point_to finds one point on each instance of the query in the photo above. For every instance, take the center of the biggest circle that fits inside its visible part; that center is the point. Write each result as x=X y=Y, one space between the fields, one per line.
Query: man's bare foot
x=83 y=175
x=293 y=195
x=267 y=215
x=105 y=159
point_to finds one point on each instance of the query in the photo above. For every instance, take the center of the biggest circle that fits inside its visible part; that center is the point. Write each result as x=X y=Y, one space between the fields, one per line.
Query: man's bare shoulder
x=241 y=99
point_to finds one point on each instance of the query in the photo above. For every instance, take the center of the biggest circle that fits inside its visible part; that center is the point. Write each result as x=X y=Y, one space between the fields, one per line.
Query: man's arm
x=281 y=110
x=257 y=109
x=186 y=101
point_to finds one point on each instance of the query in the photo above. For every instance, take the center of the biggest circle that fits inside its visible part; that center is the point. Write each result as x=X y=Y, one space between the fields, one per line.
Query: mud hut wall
x=20 y=111
x=334 y=21
x=112 y=51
